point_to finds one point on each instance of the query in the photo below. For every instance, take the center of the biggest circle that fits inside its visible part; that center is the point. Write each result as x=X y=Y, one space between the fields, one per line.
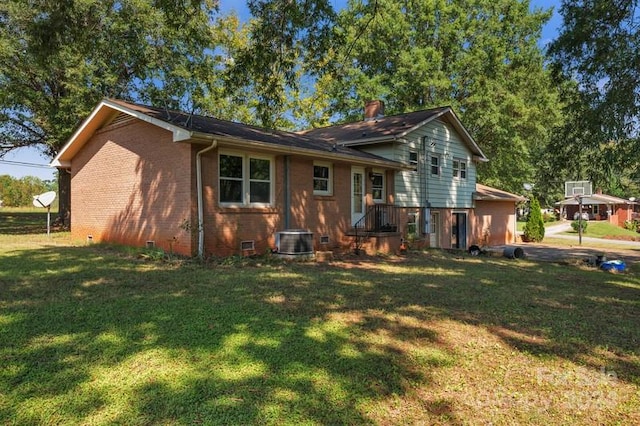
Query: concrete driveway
x=628 y=251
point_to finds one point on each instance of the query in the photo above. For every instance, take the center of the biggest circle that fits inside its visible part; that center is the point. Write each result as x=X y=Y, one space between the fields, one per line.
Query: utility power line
x=21 y=163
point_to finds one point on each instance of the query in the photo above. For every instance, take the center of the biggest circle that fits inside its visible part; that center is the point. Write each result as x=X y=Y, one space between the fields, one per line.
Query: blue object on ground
x=613 y=265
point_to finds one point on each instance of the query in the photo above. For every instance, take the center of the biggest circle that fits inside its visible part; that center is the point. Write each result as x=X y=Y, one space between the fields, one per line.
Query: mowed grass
x=600 y=229
x=94 y=335
x=21 y=220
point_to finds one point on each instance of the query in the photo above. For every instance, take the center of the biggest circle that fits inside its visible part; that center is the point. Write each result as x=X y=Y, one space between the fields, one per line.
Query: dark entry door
x=459 y=231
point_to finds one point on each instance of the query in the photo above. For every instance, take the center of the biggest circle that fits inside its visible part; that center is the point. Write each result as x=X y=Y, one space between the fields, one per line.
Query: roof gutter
x=213 y=145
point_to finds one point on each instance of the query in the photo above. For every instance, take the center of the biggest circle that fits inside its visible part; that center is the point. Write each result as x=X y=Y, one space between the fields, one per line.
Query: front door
x=459 y=231
x=357 y=194
x=434 y=232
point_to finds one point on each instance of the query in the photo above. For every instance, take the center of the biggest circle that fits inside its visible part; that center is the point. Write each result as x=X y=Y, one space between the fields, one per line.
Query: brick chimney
x=373 y=109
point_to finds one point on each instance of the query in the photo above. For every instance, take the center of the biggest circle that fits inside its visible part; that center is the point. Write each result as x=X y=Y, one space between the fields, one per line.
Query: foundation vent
x=248 y=245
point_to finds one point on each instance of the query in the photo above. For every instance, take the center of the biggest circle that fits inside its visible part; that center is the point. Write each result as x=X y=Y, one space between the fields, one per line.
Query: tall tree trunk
x=64 y=198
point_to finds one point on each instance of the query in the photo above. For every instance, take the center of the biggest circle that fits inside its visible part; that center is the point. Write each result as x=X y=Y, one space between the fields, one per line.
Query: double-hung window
x=245 y=180
x=435 y=164
x=459 y=169
x=413 y=159
x=322 y=179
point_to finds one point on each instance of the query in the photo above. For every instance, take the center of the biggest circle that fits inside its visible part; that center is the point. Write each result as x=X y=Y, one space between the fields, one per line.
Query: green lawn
x=21 y=220
x=99 y=335
x=601 y=229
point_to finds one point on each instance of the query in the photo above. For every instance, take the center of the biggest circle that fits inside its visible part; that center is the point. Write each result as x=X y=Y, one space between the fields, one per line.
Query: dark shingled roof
x=223 y=128
x=488 y=193
x=395 y=125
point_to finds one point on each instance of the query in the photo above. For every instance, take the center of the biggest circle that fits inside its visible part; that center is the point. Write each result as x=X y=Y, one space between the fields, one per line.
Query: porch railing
x=379 y=218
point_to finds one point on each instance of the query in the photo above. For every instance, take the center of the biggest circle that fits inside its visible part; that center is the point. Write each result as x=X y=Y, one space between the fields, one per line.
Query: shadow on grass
x=23 y=223
x=240 y=347
x=93 y=336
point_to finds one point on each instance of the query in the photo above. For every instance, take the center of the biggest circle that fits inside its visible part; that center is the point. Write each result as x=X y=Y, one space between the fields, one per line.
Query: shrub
x=576 y=225
x=534 y=228
x=632 y=225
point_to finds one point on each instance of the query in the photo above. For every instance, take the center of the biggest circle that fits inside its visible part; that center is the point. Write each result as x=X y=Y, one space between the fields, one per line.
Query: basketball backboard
x=578 y=188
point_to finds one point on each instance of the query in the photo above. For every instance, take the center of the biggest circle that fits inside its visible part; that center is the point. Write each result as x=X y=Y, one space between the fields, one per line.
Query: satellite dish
x=44 y=200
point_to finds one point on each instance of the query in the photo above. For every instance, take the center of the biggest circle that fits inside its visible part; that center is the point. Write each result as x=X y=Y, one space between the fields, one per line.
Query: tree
x=288 y=41
x=534 y=228
x=479 y=56
x=58 y=59
x=598 y=51
x=19 y=192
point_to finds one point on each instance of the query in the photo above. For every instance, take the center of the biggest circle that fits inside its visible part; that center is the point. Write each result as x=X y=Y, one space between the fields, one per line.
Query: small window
x=377 y=187
x=322 y=184
x=459 y=169
x=435 y=165
x=413 y=159
x=324 y=239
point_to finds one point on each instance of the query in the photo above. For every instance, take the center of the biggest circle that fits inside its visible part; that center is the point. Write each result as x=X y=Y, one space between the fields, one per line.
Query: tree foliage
x=287 y=43
x=19 y=192
x=479 y=56
x=598 y=53
x=294 y=64
x=58 y=59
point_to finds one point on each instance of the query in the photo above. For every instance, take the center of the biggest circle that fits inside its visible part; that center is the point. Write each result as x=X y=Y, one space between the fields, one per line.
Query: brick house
x=147 y=176
x=198 y=185
x=599 y=206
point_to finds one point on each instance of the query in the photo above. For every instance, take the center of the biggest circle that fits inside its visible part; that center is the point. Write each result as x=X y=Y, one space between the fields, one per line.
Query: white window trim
x=246 y=181
x=329 y=190
x=383 y=191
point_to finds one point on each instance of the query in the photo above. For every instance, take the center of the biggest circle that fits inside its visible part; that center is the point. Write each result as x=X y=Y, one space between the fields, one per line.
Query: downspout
x=287 y=192
x=213 y=145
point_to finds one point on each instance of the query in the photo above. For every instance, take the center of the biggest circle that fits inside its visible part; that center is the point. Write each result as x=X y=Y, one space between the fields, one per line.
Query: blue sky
x=29 y=161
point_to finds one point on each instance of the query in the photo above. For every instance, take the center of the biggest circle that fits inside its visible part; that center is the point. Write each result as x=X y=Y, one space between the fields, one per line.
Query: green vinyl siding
x=413 y=188
x=445 y=191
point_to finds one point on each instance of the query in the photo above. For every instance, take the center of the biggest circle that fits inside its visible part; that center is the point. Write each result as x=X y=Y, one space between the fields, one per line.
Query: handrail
x=379 y=218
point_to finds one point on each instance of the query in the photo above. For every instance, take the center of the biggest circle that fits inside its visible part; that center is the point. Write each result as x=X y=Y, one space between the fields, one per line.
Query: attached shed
x=494 y=216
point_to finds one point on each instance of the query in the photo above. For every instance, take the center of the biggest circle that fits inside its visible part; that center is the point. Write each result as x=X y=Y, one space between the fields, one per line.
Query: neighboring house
x=599 y=206
x=438 y=193
x=198 y=185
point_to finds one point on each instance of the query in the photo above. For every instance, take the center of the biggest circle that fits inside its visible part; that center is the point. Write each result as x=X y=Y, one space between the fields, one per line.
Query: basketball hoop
x=578 y=190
